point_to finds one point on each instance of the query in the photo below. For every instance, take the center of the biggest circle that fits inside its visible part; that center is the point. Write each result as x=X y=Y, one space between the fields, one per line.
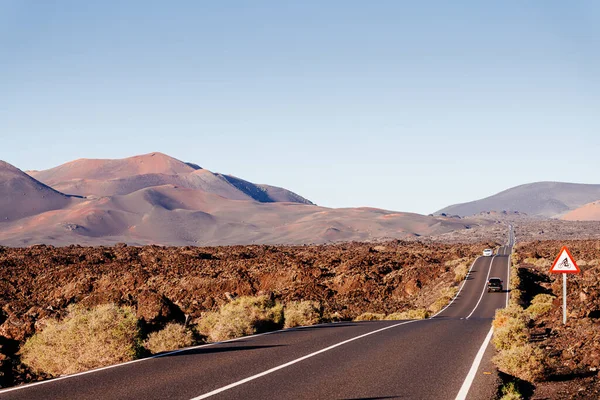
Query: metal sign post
x=564 y=298
x=564 y=264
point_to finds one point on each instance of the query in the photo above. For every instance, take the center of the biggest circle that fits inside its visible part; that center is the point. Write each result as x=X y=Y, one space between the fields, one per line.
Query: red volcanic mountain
x=22 y=196
x=87 y=177
x=156 y=199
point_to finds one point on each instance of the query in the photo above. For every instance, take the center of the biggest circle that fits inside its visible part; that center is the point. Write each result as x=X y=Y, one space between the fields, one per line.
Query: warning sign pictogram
x=564 y=263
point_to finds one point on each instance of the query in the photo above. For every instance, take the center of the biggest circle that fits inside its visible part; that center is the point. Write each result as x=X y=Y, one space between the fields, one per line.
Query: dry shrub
x=540 y=304
x=446 y=295
x=369 y=316
x=543 y=298
x=460 y=272
x=524 y=362
x=84 y=339
x=171 y=337
x=510 y=327
x=243 y=316
x=420 y=313
x=301 y=313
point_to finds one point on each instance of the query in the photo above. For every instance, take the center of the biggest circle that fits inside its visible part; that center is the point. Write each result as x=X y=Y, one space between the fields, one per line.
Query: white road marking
x=484 y=287
x=464 y=390
x=508 y=279
x=270 y=371
x=459 y=290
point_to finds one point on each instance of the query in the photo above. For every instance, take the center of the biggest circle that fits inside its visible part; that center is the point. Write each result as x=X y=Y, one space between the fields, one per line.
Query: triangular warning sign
x=564 y=263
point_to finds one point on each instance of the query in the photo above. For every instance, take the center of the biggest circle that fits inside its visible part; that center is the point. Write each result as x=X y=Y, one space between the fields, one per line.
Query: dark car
x=494 y=285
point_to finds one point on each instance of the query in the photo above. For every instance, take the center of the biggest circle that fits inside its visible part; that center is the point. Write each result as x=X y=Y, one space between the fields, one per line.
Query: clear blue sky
x=402 y=105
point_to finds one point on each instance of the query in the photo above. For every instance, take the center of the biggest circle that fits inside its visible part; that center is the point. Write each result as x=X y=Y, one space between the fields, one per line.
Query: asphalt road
x=427 y=359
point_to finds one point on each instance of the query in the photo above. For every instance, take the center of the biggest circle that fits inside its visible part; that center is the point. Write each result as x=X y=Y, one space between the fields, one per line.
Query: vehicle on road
x=494 y=285
x=488 y=252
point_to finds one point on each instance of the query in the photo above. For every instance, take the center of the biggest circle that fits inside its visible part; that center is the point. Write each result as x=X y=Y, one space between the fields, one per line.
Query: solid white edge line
x=484 y=287
x=464 y=390
x=269 y=371
x=508 y=279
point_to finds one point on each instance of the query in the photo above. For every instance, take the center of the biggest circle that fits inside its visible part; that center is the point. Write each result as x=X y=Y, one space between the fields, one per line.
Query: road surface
x=426 y=359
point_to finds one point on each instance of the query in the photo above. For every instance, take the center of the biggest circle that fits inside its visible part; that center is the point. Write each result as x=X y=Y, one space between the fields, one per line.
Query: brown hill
x=542 y=199
x=589 y=212
x=171 y=215
x=107 y=169
x=105 y=177
x=22 y=196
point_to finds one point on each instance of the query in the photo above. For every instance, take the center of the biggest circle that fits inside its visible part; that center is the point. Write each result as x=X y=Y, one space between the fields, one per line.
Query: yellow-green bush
x=524 y=362
x=510 y=327
x=84 y=339
x=243 y=316
x=540 y=304
x=420 y=313
x=535 y=310
x=511 y=392
x=446 y=295
x=369 y=316
x=543 y=298
x=460 y=272
x=301 y=313
x=171 y=337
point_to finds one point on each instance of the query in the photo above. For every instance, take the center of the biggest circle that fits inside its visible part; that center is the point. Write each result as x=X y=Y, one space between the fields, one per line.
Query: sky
x=402 y=105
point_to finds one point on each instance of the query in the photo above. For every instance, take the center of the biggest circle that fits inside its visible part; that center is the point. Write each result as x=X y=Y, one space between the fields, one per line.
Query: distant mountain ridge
x=109 y=177
x=156 y=199
x=542 y=199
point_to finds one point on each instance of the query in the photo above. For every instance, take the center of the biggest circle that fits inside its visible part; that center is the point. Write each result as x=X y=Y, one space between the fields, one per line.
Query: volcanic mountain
x=156 y=199
x=588 y=212
x=542 y=199
x=98 y=177
x=22 y=196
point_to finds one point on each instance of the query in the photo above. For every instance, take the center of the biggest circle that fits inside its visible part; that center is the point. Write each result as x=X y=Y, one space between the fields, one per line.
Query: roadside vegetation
x=172 y=337
x=419 y=313
x=241 y=317
x=84 y=339
x=302 y=313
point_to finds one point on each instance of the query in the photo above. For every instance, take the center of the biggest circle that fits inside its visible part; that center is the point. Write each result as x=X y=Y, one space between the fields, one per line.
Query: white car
x=488 y=252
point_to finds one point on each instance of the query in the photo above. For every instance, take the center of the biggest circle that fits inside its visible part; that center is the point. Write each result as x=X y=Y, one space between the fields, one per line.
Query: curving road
x=426 y=359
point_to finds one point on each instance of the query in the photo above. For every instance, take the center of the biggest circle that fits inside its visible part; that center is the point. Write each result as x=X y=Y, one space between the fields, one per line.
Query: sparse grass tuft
x=302 y=313
x=510 y=391
x=84 y=339
x=369 y=316
x=420 y=313
x=172 y=337
x=241 y=317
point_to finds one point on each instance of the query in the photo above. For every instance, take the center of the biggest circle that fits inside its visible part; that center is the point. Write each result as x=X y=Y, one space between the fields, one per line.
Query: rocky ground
x=180 y=283
x=573 y=350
